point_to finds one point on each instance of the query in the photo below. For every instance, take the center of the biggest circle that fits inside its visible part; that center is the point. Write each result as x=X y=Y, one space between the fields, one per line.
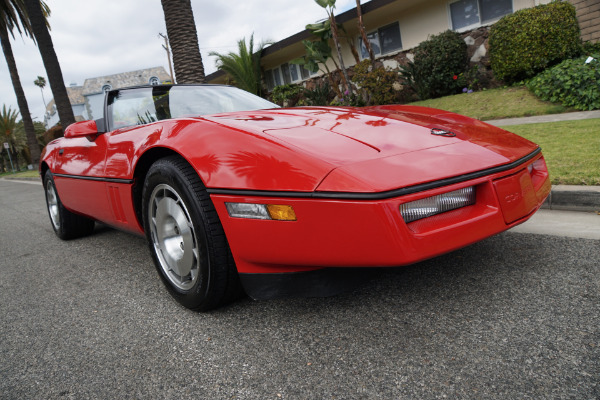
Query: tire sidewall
x=61 y=215
x=165 y=172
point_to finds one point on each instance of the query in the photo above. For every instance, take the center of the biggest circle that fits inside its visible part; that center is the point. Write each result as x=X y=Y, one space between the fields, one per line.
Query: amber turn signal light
x=281 y=212
x=261 y=211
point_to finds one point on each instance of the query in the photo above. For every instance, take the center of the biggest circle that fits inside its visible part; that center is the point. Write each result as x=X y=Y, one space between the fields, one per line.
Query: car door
x=79 y=175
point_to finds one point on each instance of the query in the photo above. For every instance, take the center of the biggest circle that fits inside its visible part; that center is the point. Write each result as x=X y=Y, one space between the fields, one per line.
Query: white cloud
x=101 y=37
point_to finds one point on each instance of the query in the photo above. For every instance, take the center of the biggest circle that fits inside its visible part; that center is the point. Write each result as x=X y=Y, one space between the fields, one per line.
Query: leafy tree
x=181 y=30
x=243 y=67
x=317 y=53
x=41 y=83
x=13 y=16
x=39 y=26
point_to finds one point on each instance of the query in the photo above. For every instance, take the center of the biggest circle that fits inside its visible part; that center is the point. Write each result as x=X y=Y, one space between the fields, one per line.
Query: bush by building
x=530 y=40
x=574 y=83
x=437 y=64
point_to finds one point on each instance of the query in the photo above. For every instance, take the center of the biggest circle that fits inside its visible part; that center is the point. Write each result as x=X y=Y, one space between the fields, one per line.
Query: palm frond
x=244 y=66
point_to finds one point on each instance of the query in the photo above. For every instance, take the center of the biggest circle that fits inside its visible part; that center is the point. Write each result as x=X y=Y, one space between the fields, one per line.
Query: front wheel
x=186 y=238
x=66 y=225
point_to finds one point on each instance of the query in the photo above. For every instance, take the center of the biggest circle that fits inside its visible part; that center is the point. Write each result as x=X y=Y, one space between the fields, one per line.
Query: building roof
x=75 y=94
x=124 y=79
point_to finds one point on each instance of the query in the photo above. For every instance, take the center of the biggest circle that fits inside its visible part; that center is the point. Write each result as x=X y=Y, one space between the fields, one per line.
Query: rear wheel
x=186 y=238
x=66 y=225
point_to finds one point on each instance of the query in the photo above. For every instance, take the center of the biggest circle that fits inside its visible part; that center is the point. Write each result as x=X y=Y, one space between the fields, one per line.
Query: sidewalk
x=563 y=197
x=572 y=116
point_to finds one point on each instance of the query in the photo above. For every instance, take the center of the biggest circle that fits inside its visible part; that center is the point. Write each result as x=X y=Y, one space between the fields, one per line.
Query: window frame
x=279 y=70
x=379 y=44
x=476 y=25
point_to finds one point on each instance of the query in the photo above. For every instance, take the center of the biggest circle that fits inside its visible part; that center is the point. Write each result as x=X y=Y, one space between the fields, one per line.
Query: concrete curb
x=573 y=198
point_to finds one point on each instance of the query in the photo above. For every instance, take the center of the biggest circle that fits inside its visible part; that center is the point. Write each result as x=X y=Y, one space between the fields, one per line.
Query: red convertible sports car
x=229 y=189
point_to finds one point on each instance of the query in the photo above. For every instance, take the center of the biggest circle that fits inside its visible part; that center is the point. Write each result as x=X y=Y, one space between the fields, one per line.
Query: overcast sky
x=103 y=37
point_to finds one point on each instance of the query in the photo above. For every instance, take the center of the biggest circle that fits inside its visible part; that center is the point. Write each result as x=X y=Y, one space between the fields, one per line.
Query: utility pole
x=168 y=50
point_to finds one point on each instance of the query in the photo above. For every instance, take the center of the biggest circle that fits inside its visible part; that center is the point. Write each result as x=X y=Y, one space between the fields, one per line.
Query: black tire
x=185 y=237
x=66 y=225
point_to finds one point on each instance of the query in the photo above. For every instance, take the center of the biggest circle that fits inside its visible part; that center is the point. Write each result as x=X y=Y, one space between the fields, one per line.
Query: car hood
x=372 y=144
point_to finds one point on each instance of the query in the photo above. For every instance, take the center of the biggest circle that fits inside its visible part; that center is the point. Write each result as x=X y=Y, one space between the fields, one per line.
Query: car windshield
x=140 y=106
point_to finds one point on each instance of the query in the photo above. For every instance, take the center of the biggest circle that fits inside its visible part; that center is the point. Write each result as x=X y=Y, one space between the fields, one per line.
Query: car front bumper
x=347 y=232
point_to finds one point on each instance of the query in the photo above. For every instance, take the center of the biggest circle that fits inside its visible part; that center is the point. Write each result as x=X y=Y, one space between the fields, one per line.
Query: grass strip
x=511 y=102
x=571 y=149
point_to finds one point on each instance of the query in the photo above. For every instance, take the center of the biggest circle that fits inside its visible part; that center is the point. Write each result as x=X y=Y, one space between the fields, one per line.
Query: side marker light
x=261 y=211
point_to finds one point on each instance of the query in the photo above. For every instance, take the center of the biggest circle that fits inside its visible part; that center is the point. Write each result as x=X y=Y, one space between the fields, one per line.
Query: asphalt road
x=515 y=316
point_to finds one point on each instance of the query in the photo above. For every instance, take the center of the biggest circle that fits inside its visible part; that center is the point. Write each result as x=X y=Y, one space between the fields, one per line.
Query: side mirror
x=83 y=128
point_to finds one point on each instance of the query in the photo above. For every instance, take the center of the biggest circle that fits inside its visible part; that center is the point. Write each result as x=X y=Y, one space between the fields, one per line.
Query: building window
x=285 y=74
x=471 y=13
x=106 y=88
x=285 y=69
x=384 y=40
x=154 y=81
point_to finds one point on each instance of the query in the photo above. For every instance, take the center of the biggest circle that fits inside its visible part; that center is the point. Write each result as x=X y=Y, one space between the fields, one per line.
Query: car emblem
x=442 y=132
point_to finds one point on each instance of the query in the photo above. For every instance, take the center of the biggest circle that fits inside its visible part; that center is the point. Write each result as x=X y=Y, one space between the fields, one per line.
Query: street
x=514 y=316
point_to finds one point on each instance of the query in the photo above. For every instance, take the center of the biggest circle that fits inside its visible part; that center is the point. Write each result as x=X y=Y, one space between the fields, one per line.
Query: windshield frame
x=155 y=103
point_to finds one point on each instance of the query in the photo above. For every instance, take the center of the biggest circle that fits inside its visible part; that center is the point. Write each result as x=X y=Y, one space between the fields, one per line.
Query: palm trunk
x=353 y=49
x=336 y=41
x=46 y=48
x=181 y=30
x=363 y=34
x=21 y=100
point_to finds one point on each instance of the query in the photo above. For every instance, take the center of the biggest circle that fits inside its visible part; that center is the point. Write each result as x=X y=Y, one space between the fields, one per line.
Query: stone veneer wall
x=477 y=41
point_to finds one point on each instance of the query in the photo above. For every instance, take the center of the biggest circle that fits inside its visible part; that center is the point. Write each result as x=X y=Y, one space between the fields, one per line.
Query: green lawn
x=571 y=149
x=512 y=102
x=25 y=174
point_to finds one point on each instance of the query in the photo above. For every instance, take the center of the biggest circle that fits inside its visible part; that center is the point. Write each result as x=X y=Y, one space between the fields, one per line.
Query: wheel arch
x=141 y=169
x=43 y=168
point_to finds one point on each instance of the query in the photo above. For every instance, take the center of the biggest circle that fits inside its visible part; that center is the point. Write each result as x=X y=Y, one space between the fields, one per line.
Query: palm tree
x=244 y=67
x=13 y=16
x=9 y=127
x=41 y=83
x=39 y=26
x=181 y=30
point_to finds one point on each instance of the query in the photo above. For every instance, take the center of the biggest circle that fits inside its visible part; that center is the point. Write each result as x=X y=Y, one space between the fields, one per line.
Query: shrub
x=590 y=48
x=572 y=82
x=352 y=100
x=286 y=95
x=377 y=84
x=437 y=64
x=321 y=95
x=530 y=40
